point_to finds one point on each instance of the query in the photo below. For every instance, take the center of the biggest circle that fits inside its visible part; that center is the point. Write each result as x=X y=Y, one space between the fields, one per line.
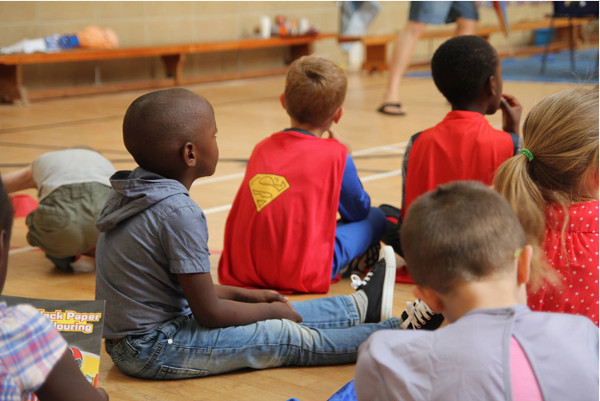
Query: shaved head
x=158 y=125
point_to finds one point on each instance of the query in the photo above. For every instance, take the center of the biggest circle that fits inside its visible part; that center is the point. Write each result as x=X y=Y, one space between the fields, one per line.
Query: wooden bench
x=376 y=46
x=12 y=87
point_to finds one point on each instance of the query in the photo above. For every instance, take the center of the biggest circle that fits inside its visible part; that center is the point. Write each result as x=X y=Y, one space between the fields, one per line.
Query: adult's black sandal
x=396 y=111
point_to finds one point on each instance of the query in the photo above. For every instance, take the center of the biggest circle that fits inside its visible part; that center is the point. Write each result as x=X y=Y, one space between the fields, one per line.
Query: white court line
x=217 y=209
x=385 y=148
x=392 y=148
x=223 y=208
x=373 y=177
x=21 y=250
x=381 y=175
x=211 y=180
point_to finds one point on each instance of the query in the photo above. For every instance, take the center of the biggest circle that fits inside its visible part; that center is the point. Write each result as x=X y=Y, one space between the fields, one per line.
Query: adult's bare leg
x=404 y=46
x=465 y=26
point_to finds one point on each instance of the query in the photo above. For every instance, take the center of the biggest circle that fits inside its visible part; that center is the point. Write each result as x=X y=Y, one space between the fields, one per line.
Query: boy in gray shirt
x=165 y=318
x=466 y=251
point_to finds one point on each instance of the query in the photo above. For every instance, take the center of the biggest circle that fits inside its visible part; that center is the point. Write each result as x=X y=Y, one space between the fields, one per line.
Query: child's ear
x=338 y=114
x=524 y=265
x=282 y=100
x=430 y=297
x=190 y=156
x=492 y=86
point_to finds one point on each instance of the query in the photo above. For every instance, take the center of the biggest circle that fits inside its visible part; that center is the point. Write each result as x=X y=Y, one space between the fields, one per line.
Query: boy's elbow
x=356 y=209
x=363 y=212
x=359 y=213
x=209 y=317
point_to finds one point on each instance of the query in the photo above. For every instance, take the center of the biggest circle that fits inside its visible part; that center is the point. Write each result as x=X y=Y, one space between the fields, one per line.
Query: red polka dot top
x=576 y=262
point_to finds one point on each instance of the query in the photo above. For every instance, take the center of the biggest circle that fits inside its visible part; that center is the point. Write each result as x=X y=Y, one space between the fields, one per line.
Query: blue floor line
x=558 y=68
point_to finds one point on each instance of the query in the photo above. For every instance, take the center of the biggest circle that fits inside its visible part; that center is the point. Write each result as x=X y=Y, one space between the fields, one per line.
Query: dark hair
x=6 y=210
x=461 y=67
x=462 y=231
x=157 y=124
x=315 y=88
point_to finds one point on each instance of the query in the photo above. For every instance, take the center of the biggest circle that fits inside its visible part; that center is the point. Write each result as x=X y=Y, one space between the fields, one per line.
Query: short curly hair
x=461 y=67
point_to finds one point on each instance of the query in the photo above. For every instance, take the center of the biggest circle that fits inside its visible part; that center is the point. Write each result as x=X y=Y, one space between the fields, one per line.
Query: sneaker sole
x=387 y=295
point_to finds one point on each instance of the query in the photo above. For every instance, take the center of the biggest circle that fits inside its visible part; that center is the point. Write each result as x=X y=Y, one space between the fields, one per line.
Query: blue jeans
x=352 y=239
x=181 y=348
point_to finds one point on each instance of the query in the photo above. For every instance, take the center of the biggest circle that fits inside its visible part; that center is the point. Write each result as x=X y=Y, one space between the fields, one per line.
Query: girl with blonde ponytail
x=552 y=187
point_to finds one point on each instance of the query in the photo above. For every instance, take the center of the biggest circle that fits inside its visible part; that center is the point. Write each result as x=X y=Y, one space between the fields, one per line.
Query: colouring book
x=79 y=322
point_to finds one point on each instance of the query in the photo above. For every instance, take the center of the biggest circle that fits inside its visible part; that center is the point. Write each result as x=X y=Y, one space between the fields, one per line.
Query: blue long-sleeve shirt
x=354 y=201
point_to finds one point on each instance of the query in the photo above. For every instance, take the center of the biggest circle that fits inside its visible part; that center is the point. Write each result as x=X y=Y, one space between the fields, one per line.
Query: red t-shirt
x=280 y=231
x=463 y=146
x=576 y=262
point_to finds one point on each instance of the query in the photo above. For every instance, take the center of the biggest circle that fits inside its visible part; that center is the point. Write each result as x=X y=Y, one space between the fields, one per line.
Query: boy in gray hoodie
x=165 y=319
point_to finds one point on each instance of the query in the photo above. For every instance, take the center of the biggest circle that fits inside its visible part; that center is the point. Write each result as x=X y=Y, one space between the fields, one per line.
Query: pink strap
x=524 y=383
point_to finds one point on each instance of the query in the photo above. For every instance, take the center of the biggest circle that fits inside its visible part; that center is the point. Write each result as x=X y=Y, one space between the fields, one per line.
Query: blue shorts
x=442 y=12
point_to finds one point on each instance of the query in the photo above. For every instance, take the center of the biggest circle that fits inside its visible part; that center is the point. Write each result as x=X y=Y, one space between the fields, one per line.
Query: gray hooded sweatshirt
x=150 y=231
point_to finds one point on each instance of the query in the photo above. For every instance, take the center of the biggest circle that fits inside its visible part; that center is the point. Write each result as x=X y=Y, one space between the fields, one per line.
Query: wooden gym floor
x=246 y=111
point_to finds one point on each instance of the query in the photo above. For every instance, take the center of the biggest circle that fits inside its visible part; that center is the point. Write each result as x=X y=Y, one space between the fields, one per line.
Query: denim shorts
x=442 y=12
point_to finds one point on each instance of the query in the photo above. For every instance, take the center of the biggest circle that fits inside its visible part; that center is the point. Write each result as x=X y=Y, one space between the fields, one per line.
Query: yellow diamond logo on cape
x=266 y=187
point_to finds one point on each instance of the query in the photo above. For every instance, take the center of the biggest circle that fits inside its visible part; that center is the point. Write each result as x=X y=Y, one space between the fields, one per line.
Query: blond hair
x=314 y=89
x=561 y=132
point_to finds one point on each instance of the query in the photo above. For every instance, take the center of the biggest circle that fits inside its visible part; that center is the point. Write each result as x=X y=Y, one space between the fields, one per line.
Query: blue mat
x=558 y=68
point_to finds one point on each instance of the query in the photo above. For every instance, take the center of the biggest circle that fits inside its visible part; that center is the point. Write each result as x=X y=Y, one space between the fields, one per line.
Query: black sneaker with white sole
x=418 y=315
x=378 y=285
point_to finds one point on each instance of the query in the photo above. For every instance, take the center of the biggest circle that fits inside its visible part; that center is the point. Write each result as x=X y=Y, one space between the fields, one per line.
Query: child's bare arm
x=66 y=383
x=212 y=311
x=245 y=295
x=511 y=113
x=18 y=180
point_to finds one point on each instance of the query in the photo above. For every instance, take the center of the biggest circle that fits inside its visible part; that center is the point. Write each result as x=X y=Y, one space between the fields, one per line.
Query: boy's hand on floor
x=511 y=113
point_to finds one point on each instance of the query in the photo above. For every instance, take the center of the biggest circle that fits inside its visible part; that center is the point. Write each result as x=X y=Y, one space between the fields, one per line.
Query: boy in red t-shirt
x=463 y=146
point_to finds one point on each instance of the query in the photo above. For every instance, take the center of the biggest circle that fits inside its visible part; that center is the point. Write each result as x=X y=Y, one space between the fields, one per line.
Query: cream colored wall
x=145 y=23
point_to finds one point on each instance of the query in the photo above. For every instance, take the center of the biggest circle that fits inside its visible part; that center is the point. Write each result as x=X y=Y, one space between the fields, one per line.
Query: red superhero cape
x=280 y=231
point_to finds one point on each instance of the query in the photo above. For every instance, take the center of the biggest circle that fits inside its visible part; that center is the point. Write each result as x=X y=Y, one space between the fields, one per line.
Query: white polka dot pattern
x=576 y=260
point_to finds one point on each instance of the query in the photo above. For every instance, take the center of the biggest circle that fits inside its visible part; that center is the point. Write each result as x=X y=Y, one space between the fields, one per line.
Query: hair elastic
x=518 y=253
x=527 y=153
